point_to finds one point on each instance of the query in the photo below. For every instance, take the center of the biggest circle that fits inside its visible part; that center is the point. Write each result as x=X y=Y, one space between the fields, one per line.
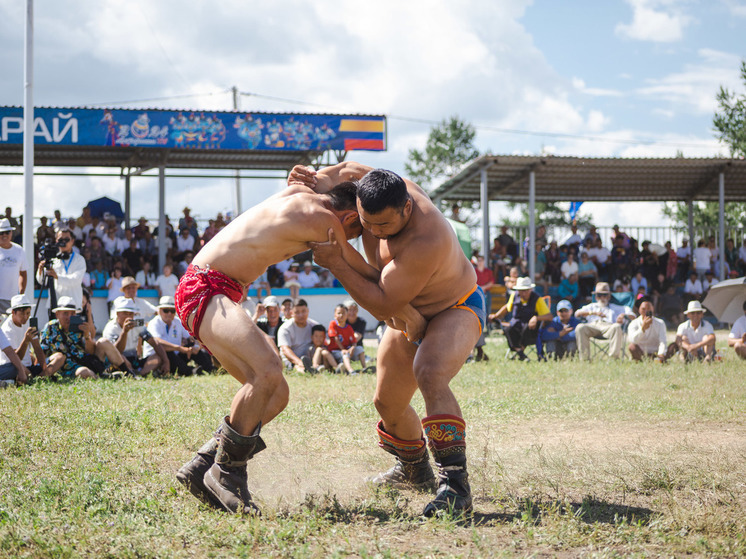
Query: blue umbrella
x=103 y=205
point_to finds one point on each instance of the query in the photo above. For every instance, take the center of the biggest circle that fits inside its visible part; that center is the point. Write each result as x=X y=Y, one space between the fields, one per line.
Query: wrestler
x=417 y=260
x=207 y=301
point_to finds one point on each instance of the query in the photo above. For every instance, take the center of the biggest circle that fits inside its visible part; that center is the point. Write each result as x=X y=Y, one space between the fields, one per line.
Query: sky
x=618 y=78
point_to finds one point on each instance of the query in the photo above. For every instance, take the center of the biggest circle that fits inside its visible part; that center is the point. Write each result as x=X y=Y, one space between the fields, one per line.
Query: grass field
x=603 y=460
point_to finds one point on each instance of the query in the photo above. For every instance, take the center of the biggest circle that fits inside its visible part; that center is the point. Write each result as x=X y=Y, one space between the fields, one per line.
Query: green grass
x=608 y=459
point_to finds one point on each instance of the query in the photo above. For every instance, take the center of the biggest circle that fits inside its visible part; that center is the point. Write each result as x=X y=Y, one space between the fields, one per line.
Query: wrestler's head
x=383 y=203
x=343 y=202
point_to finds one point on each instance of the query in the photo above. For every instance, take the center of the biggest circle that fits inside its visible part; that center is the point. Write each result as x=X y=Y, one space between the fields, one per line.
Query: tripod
x=47 y=282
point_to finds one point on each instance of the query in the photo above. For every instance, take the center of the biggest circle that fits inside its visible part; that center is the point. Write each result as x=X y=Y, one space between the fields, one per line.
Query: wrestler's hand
x=300 y=174
x=327 y=254
x=416 y=327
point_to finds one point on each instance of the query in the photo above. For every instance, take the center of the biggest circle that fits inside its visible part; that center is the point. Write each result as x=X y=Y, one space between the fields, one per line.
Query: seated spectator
x=145 y=277
x=99 y=276
x=133 y=257
x=639 y=281
x=114 y=286
x=308 y=278
x=485 y=280
x=183 y=265
x=138 y=231
x=647 y=335
x=528 y=311
x=569 y=266
x=70 y=346
x=321 y=357
x=358 y=324
x=343 y=343
x=12 y=369
x=737 y=335
x=621 y=257
x=708 y=282
x=623 y=285
x=741 y=262
x=22 y=338
x=601 y=257
x=326 y=279
x=287 y=309
x=600 y=323
x=558 y=336
x=294 y=339
x=574 y=239
x=261 y=284
x=144 y=309
x=184 y=243
x=44 y=232
x=554 y=262
x=569 y=288
x=291 y=280
x=179 y=346
x=166 y=283
x=587 y=275
x=693 y=288
x=271 y=321
x=702 y=261
x=695 y=338
x=671 y=305
x=113 y=244
x=511 y=279
x=127 y=334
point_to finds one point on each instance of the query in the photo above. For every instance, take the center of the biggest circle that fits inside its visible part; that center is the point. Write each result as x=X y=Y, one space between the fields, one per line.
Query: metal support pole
x=161 y=217
x=127 y=202
x=531 y=225
x=485 y=202
x=28 y=148
x=690 y=225
x=237 y=192
x=721 y=221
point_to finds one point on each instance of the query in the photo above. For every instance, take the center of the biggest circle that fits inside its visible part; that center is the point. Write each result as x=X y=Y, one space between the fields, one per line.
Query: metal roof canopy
x=589 y=179
x=519 y=178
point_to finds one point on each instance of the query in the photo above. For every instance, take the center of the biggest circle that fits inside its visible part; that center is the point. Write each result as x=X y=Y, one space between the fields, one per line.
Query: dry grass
x=603 y=460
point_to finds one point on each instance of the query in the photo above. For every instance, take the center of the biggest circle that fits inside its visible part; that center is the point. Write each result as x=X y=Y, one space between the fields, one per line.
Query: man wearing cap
x=308 y=278
x=737 y=335
x=179 y=346
x=528 y=311
x=695 y=337
x=127 y=336
x=143 y=309
x=271 y=321
x=67 y=269
x=600 y=323
x=21 y=336
x=647 y=335
x=558 y=336
x=13 y=275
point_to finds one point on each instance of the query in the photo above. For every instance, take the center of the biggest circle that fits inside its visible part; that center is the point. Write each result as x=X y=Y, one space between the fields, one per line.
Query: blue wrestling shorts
x=474 y=302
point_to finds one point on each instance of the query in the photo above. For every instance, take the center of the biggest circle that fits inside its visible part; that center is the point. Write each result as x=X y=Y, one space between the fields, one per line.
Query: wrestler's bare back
x=270 y=232
x=428 y=251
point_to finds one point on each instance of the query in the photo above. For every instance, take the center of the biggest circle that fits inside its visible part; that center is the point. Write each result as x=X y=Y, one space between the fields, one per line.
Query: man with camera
x=67 y=266
x=22 y=333
x=143 y=309
x=13 y=274
x=128 y=333
x=647 y=335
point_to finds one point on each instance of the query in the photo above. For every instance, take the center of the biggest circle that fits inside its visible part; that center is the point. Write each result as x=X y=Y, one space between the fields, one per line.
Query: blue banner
x=574 y=207
x=204 y=130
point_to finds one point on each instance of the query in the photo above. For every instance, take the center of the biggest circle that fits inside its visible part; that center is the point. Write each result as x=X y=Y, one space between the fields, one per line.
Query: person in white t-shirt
x=308 y=278
x=114 y=285
x=737 y=336
x=146 y=277
x=647 y=334
x=13 y=274
x=294 y=338
x=702 y=259
x=167 y=282
x=695 y=337
x=180 y=347
x=22 y=337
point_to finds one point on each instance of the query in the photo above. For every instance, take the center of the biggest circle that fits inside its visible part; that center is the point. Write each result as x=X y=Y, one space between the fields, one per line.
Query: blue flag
x=574 y=207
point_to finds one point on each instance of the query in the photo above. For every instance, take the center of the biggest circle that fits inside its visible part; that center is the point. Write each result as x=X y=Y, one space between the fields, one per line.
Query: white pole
x=484 y=200
x=28 y=147
x=237 y=192
x=532 y=225
x=721 y=220
x=161 y=217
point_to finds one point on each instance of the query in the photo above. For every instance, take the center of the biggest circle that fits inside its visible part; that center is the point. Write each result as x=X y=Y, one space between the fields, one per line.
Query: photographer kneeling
x=180 y=348
x=128 y=334
x=69 y=342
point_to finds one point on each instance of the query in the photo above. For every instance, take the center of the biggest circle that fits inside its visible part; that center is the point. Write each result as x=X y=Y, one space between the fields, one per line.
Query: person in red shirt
x=343 y=343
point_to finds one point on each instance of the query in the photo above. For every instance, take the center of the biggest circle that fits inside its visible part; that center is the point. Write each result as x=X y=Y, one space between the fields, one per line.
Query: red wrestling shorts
x=195 y=290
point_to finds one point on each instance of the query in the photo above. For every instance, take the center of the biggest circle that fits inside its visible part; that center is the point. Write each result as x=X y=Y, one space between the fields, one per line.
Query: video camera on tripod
x=49 y=250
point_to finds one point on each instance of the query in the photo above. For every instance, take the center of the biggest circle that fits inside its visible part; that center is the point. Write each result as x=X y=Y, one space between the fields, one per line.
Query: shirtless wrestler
x=207 y=301
x=417 y=260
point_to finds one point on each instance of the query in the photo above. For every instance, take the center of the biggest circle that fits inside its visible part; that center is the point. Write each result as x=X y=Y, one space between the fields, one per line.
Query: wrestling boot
x=447 y=439
x=191 y=474
x=226 y=480
x=412 y=469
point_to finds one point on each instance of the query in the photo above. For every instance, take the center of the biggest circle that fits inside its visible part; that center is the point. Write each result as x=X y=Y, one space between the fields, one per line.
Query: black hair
x=343 y=196
x=340 y=306
x=318 y=328
x=287 y=301
x=381 y=189
x=301 y=303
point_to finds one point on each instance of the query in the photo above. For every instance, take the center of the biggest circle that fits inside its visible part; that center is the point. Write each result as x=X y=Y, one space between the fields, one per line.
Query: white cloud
x=659 y=21
x=580 y=85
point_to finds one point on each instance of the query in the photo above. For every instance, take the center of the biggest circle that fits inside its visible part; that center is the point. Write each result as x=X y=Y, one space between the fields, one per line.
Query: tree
x=705 y=215
x=549 y=214
x=730 y=121
x=450 y=144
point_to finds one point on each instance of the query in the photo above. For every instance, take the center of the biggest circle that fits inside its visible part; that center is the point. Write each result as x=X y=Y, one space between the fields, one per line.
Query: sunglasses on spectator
x=5 y=232
x=65 y=239
x=169 y=311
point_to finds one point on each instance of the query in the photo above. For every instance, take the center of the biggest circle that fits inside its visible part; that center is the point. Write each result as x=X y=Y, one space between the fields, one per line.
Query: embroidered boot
x=447 y=439
x=190 y=474
x=412 y=469
x=226 y=480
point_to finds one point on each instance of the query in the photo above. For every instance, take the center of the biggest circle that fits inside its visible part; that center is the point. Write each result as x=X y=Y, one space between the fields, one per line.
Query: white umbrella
x=660 y=250
x=725 y=299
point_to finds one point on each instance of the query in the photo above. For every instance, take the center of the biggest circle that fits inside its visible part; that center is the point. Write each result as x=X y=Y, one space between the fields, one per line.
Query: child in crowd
x=291 y=280
x=287 y=309
x=114 y=285
x=320 y=356
x=343 y=343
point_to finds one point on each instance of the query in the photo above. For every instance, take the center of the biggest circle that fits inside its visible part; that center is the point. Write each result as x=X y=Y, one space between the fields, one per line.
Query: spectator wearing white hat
x=67 y=269
x=144 y=309
x=13 y=274
x=179 y=346
x=21 y=336
x=695 y=337
x=600 y=323
x=271 y=321
x=127 y=334
x=528 y=311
